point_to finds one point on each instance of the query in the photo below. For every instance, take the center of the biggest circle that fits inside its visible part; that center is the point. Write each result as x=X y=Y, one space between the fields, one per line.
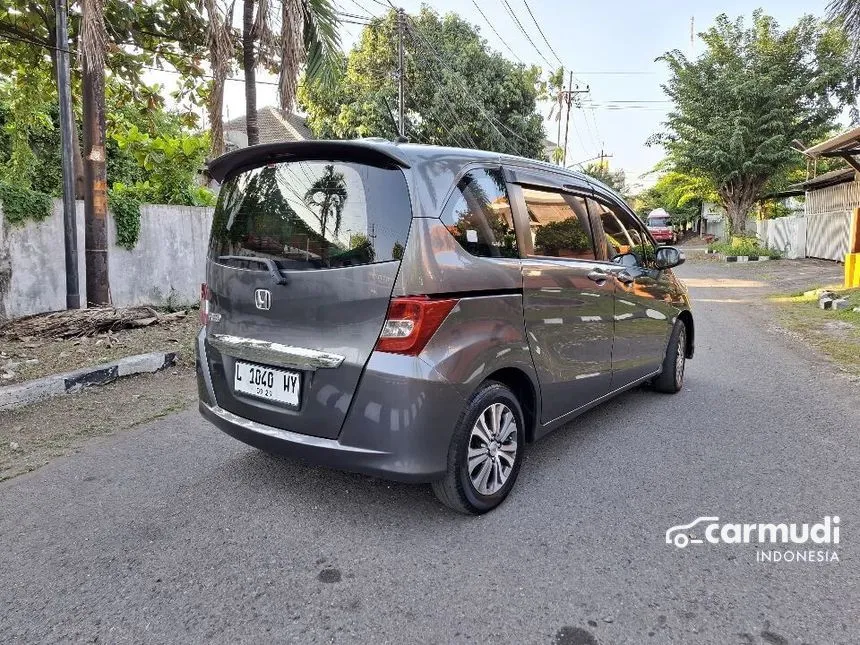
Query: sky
x=611 y=48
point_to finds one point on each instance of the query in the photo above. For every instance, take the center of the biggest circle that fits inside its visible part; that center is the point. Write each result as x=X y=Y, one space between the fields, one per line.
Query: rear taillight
x=411 y=322
x=204 y=303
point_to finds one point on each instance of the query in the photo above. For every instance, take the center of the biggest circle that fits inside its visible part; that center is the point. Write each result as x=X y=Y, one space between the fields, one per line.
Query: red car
x=660 y=228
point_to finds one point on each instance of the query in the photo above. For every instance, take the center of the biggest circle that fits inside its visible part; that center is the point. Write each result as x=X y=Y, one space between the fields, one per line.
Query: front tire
x=671 y=379
x=486 y=452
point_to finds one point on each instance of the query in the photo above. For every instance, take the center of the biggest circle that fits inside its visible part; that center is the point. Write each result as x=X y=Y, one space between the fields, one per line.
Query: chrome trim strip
x=262 y=351
x=286 y=435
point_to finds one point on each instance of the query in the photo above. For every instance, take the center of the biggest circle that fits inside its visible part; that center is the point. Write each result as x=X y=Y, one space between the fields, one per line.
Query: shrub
x=744 y=246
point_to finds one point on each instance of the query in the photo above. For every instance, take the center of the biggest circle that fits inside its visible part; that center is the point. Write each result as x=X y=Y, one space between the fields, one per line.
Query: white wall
x=786 y=234
x=168 y=262
x=166 y=265
x=32 y=264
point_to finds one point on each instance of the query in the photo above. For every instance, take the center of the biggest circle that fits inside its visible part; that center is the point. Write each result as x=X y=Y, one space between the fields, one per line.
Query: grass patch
x=835 y=333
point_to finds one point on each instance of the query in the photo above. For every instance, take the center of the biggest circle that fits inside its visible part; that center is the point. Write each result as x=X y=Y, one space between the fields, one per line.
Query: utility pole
x=568 y=98
x=70 y=220
x=401 y=75
x=95 y=167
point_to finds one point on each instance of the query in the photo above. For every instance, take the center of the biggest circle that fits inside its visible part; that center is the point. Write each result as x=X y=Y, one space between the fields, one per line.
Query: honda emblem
x=263 y=299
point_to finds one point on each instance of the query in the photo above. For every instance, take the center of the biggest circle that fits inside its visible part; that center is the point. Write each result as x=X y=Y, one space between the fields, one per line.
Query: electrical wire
x=456 y=139
x=429 y=49
x=490 y=25
x=534 y=20
x=513 y=15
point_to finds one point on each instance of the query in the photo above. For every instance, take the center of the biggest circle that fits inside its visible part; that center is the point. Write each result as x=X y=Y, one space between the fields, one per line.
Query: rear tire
x=486 y=452
x=671 y=379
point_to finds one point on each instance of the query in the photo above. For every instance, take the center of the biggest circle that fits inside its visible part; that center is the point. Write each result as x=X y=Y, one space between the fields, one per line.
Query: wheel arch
x=521 y=384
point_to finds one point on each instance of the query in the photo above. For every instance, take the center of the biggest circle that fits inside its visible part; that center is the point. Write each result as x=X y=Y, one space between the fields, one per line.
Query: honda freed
x=422 y=313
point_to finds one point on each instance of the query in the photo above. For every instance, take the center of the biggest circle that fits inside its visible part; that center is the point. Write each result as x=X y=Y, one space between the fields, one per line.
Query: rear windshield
x=658 y=222
x=311 y=215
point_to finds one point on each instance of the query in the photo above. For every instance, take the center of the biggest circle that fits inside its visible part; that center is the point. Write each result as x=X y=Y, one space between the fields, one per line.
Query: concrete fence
x=165 y=267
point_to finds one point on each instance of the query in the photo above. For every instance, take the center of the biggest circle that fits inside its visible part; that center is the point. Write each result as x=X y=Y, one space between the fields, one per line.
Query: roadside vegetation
x=749 y=246
x=834 y=333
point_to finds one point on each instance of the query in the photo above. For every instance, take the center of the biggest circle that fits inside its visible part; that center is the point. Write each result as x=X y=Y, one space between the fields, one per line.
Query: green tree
x=755 y=89
x=138 y=35
x=615 y=179
x=679 y=194
x=460 y=92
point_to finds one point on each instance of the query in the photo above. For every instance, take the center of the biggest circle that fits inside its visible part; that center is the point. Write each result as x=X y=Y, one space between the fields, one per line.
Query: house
x=274 y=125
x=832 y=207
x=712 y=220
x=549 y=148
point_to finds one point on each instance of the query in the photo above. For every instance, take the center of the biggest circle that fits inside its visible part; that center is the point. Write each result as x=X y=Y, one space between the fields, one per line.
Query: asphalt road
x=174 y=532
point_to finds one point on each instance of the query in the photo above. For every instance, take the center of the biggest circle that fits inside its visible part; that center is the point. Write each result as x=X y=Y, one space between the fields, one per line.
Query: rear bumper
x=399 y=424
x=326 y=452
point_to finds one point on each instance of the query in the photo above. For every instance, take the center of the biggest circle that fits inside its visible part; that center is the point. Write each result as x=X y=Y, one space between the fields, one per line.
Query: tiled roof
x=275 y=125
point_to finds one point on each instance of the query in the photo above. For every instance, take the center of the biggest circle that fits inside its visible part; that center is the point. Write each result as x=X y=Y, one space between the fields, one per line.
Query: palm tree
x=222 y=49
x=328 y=195
x=307 y=33
x=848 y=12
x=93 y=39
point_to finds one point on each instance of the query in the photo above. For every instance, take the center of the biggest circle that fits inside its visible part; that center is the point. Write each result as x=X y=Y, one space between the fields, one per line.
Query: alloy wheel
x=681 y=358
x=492 y=448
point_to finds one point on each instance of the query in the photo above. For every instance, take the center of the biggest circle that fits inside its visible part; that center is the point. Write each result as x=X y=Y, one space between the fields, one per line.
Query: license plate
x=263 y=382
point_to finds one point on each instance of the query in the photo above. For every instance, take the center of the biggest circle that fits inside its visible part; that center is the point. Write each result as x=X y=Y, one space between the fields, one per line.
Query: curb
x=746 y=258
x=13 y=396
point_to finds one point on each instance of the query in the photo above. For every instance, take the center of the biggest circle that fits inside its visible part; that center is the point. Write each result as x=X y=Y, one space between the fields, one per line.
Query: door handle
x=624 y=278
x=597 y=275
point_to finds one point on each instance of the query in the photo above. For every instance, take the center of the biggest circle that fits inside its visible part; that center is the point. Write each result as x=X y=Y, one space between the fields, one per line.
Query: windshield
x=303 y=215
x=658 y=222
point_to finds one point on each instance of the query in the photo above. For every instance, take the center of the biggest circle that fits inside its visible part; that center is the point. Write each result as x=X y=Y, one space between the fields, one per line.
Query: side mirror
x=668 y=257
x=626 y=259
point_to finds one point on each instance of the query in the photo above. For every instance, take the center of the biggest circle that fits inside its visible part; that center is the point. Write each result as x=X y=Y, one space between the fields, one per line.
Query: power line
x=441 y=67
x=21 y=39
x=490 y=25
x=524 y=32
x=467 y=94
x=534 y=20
x=450 y=110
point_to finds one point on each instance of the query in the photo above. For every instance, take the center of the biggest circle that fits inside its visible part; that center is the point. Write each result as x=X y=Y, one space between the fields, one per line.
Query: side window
x=624 y=240
x=478 y=215
x=559 y=224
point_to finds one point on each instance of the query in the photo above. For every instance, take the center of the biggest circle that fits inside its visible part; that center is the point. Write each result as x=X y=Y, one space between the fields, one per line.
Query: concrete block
x=825 y=303
x=841 y=303
x=12 y=396
x=145 y=363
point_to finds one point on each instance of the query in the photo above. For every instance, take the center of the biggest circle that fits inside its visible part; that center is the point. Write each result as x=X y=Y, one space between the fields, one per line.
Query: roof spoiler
x=370 y=152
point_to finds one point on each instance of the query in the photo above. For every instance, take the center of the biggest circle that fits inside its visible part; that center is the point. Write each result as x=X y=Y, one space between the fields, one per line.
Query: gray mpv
x=422 y=313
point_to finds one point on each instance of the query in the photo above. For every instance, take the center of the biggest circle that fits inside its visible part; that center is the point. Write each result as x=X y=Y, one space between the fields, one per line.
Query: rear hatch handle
x=271 y=265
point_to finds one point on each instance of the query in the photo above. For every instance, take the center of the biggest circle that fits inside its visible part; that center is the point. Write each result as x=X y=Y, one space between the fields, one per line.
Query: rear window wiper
x=270 y=264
